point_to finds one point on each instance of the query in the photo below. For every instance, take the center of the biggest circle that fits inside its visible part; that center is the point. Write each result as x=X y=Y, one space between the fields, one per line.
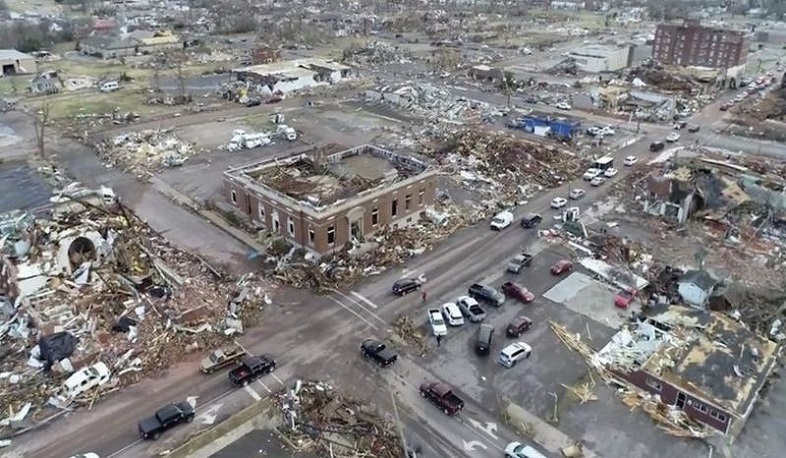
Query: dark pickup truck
x=166 y=418
x=378 y=352
x=519 y=263
x=441 y=395
x=250 y=368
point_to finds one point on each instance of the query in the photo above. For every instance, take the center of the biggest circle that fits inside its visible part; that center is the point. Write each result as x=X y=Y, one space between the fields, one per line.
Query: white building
x=293 y=75
x=696 y=287
x=596 y=59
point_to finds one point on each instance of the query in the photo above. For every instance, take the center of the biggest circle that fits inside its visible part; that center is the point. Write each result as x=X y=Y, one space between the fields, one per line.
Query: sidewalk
x=545 y=435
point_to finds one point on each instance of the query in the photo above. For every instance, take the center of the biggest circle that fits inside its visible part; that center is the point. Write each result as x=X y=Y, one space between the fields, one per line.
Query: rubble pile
x=145 y=151
x=92 y=293
x=435 y=104
x=406 y=329
x=662 y=79
x=772 y=106
x=318 y=417
x=386 y=248
x=503 y=165
x=376 y=52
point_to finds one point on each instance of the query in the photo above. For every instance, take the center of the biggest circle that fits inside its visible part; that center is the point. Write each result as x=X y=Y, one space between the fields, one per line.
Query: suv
x=486 y=294
x=531 y=220
x=513 y=353
x=405 y=286
x=518 y=326
x=483 y=339
x=657 y=146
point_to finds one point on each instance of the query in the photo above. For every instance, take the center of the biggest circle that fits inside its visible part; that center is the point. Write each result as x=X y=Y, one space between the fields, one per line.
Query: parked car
x=724 y=107
x=673 y=137
x=483 y=339
x=513 y=353
x=577 y=193
x=597 y=181
x=611 y=172
x=471 y=309
x=623 y=298
x=251 y=368
x=518 y=292
x=253 y=103
x=531 y=220
x=657 y=146
x=221 y=358
x=165 y=419
x=630 y=161
x=442 y=396
x=501 y=220
x=680 y=125
x=86 y=455
x=378 y=352
x=405 y=286
x=563 y=106
x=591 y=173
x=519 y=450
x=694 y=128
x=519 y=263
x=562 y=266
x=486 y=294
x=558 y=202
x=437 y=323
x=518 y=326
x=452 y=314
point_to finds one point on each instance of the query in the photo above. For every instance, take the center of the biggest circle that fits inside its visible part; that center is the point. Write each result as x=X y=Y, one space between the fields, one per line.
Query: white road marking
x=265 y=387
x=275 y=377
x=352 y=311
x=252 y=393
x=357 y=303
x=364 y=299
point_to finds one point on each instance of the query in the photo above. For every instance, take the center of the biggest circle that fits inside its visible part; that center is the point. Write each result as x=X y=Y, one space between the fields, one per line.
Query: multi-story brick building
x=692 y=44
x=321 y=200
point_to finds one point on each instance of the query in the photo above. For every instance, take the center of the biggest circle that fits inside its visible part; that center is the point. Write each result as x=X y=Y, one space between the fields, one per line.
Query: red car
x=561 y=266
x=518 y=292
x=623 y=298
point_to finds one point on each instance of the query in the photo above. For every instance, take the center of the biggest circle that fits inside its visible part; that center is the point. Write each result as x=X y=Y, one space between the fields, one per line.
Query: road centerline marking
x=363 y=298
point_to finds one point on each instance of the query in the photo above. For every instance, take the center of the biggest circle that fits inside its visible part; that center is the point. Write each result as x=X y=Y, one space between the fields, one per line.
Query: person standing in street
x=424 y=295
x=439 y=339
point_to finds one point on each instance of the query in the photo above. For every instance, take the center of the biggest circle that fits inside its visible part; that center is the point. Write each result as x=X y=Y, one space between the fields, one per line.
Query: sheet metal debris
x=316 y=416
x=145 y=151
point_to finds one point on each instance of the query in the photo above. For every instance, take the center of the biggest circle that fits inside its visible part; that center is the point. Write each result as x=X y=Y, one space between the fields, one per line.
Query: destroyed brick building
x=323 y=199
x=703 y=365
x=293 y=75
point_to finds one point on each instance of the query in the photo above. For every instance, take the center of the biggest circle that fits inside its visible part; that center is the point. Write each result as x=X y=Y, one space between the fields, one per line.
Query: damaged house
x=323 y=199
x=702 y=366
x=293 y=75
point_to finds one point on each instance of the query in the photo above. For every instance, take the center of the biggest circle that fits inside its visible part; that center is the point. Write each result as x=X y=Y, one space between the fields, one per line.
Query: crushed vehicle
x=471 y=309
x=165 y=419
x=442 y=396
x=250 y=368
x=221 y=358
x=378 y=352
x=519 y=262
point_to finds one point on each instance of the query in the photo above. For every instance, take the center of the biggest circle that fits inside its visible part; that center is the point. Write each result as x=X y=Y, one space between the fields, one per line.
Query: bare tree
x=178 y=60
x=40 y=121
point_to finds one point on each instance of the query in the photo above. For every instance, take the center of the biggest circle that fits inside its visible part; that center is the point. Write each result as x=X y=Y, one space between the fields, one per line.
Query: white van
x=514 y=352
x=519 y=450
x=108 y=86
x=501 y=220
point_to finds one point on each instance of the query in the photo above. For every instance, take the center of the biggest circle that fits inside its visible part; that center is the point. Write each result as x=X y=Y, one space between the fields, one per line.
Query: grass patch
x=69 y=105
x=257 y=122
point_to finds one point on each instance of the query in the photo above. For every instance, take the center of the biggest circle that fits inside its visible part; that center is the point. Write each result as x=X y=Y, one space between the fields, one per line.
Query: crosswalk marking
x=278 y=379
x=364 y=299
x=264 y=386
x=252 y=393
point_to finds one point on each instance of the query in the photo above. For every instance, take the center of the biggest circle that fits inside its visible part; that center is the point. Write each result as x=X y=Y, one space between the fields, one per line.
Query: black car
x=483 y=339
x=166 y=418
x=405 y=286
x=486 y=294
x=694 y=129
x=531 y=220
x=657 y=146
x=253 y=103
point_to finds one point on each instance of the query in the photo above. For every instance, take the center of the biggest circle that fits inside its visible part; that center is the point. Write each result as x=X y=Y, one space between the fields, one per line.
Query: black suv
x=531 y=220
x=405 y=286
x=483 y=339
x=486 y=294
x=656 y=146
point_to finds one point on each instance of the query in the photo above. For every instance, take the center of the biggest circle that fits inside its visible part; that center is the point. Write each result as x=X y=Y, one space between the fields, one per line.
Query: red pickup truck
x=442 y=396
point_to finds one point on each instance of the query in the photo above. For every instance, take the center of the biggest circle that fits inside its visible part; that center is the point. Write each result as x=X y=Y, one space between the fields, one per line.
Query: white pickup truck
x=438 y=326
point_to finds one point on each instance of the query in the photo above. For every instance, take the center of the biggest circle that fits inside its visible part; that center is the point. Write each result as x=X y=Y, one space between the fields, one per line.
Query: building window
x=421 y=197
x=717 y=415
x=276 y=223
x=261 y=212
x=311 y=236
x=700 y=407
x=394 y=208
x=374 y=216
x=331 y=235
x=408 y=202
x=290 y=226
x=654 y=384
x=233 y=196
